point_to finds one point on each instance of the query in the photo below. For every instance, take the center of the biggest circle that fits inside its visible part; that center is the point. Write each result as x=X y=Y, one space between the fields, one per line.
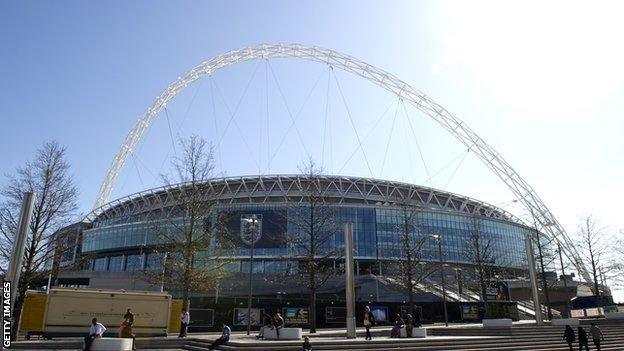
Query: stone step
x=493 y=344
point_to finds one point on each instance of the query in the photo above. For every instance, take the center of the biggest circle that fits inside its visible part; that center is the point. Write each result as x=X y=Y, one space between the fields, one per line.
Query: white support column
x=19 y=244
x=350 y=284
x=533 y=276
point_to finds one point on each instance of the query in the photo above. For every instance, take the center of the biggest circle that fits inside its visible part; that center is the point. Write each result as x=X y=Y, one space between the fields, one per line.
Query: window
x=154 y=261
x=100 y=264
x=134 y=262
x=115 y=264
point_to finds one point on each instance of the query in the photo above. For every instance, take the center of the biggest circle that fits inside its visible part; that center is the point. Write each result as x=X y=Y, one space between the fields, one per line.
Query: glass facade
x=134 y=262
x=116 y=264
x=377 y=236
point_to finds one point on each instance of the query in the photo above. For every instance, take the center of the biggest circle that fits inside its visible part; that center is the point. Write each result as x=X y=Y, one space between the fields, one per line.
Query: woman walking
x=369 y=320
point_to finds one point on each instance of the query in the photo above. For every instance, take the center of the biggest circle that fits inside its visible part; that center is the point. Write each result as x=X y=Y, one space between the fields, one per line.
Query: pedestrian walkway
x=523 y=336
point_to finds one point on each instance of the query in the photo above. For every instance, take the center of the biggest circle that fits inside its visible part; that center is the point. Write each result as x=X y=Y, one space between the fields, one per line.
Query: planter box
x=416 y=332
x=107 y=344
x=284 y=334
x=497 y=323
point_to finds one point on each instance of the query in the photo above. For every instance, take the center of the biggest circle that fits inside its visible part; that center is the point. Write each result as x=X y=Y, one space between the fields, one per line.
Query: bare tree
x=593 y=245
x=48 y=176
x=616 y=262
x=313 y=227
x=187 y=239
x=478 y=249
x=410 y=268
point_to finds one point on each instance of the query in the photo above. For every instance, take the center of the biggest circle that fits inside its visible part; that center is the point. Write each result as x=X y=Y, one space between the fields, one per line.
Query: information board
x=469 y=312
x=295 y=315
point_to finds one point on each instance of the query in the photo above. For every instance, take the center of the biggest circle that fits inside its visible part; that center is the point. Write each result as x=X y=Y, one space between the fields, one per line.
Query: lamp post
x=438 y=238
x=350 y=284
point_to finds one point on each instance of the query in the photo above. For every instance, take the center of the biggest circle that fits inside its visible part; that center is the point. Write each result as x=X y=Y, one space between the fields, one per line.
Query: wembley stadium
x=252 y=220
x=117 y=242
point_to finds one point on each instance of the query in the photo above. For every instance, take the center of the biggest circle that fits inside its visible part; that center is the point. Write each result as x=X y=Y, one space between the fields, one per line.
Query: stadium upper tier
x=376 y=208
x=339 y=190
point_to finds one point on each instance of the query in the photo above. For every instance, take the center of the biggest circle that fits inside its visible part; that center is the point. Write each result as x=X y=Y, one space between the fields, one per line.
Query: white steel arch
x=492 y=159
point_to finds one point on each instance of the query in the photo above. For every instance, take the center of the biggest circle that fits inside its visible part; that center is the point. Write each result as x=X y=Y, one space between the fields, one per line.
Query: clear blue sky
x=542 y=83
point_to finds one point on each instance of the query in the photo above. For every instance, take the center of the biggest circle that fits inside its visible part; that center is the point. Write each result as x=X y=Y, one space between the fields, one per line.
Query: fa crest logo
x=251 y=228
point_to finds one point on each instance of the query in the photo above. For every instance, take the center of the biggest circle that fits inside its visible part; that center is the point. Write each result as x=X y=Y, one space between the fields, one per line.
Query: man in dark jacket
x=569 y=336
x=582 y=338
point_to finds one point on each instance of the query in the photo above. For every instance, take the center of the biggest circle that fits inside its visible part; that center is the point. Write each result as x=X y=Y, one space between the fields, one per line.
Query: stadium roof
x=295 y=188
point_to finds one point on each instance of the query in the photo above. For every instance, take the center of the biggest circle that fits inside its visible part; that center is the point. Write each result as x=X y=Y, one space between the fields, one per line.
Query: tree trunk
x=312 y=312
x=185 y=297
x=411 y=301
x=482 y=283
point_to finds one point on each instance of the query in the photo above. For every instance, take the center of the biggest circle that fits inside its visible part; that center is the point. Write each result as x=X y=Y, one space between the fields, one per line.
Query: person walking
x=185 y=320
x=396 y=329
x=409 y=325
x=306 y=344
x=369 y=320
x=582 y=339
x=224 y=338
x=568 y=336
x=279 y=323
x=95 y=331
x=126 y=327
x=596 y=335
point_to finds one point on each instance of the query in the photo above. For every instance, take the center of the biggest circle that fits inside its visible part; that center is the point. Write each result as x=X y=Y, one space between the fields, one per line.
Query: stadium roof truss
x=492 y=159
x=295 y=189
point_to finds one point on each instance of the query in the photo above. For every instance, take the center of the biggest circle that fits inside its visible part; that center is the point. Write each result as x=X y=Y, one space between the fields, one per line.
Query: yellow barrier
x=174 y=316
x=33 y=311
